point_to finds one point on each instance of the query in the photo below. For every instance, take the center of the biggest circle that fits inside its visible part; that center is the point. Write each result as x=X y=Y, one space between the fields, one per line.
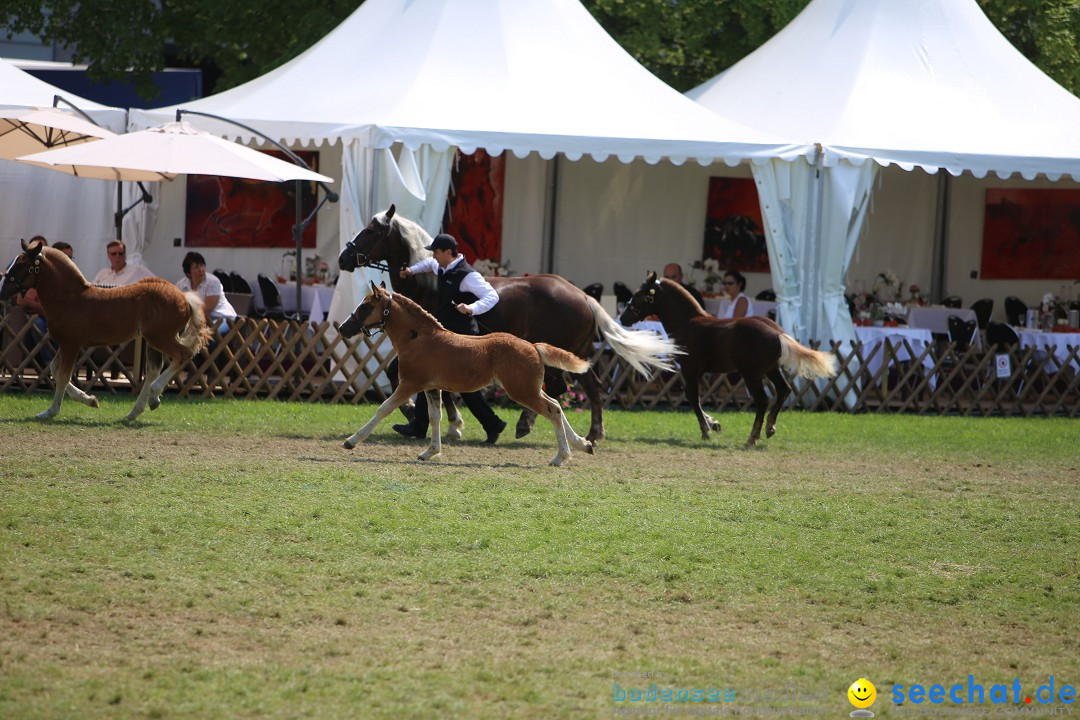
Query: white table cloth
x=874 y=337
x=1060 y=345
x=314 y=299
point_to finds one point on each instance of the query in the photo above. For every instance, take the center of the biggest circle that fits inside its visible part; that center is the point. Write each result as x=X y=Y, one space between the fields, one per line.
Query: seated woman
x=734 y=287
x=207 y=287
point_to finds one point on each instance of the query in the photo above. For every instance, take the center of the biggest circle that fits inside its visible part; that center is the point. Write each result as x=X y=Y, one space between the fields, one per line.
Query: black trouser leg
x=421 y=421
x=482 y=411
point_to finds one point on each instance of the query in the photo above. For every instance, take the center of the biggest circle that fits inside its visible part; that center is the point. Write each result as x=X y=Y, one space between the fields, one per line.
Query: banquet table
x=936 y=319
x=1059 y=344
x=900 y=339
x=314 y=299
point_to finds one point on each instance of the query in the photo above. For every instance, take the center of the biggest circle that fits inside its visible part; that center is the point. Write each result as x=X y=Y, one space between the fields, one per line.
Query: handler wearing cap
x=463 y=294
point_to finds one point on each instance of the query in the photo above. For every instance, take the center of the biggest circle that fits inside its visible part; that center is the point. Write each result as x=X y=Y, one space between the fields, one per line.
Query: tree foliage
x=684 y=42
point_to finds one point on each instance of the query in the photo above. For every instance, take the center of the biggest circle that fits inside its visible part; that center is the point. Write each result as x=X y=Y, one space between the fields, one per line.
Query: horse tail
x=195 y=335
x=644 y=350
x=561 y=359
x=802 y=361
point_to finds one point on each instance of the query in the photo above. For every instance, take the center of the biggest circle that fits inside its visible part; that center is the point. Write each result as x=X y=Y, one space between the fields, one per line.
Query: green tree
x=684 y=42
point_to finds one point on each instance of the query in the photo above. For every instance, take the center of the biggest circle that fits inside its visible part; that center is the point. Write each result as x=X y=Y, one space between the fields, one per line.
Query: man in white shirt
x=463 y=294
x=119 y=272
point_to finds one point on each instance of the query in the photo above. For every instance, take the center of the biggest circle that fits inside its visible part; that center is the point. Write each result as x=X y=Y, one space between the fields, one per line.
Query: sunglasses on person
x=118 y=252
x=729 y=282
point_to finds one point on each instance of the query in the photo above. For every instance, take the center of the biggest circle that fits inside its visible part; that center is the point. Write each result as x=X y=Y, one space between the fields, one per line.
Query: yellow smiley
x=862 y=693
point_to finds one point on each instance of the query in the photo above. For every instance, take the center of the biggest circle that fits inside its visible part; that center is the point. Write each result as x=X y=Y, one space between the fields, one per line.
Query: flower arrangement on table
x=894 y=313
x=887 y=286
x=711 y=268
x=492 y=268
x=1052 y=312
x=916 y=296
x=315 y=270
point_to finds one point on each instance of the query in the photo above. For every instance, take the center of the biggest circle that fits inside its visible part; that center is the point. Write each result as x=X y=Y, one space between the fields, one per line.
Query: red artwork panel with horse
x=734 y=231
x=474 y=208
x=1031 y=234
x=231 y=212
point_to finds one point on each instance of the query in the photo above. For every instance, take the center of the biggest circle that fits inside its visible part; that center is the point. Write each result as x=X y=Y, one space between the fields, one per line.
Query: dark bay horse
x=431 y=358
x=538 y=308
x=754 y=347
x=81 y=315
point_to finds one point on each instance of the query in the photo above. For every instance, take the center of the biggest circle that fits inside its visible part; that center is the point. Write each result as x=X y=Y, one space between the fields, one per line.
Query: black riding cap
x=443 y=241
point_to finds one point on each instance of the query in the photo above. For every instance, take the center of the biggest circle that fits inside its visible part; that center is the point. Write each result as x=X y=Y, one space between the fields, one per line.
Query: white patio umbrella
x=28 y=130
x=162 y=153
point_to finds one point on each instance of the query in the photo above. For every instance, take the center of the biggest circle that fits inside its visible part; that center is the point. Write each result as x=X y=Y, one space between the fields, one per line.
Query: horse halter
x=380 y=326
x=34 y=269
x=362 y=260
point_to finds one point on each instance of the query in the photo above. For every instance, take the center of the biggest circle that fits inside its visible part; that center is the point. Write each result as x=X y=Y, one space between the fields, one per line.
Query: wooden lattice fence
x=296 y=361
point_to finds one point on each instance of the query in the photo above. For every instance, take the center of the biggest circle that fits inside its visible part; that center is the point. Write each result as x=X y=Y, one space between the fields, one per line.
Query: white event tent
x=34 y=201
x=927 y=84
x=402 y=83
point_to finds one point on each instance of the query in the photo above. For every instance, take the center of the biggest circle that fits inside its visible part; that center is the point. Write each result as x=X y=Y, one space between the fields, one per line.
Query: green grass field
x=231 y=560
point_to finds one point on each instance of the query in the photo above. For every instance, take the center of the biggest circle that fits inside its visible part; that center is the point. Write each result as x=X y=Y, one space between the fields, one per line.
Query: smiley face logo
x=862 y=693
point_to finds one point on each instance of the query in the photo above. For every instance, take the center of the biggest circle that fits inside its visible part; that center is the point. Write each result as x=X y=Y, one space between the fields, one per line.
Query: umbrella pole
x=298 y=236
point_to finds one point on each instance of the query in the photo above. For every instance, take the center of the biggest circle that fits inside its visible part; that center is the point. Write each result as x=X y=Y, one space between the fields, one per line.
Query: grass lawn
x=229 y=559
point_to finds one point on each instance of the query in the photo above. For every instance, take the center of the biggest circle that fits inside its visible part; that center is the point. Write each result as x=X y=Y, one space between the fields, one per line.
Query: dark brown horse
x=538 y=308
x=81 y=315
x=433 y=358
x=754 y=347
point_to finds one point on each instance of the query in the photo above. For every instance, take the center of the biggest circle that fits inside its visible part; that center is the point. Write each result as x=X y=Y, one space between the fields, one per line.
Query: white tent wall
x=164 y=257
x=36 y=201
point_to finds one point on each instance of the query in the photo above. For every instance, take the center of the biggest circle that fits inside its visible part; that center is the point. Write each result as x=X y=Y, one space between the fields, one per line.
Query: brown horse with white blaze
x=754 y=347
x=81 y=315
x=432 y=359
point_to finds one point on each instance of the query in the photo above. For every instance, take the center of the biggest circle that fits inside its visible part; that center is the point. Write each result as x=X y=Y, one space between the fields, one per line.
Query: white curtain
x=813 y=216
x=138 y=224
x=416 y=182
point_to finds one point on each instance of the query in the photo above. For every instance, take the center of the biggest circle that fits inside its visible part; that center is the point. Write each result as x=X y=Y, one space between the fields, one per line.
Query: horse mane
x=683 y=295
x=416 y=239
x=66 y=271
x=414 y=309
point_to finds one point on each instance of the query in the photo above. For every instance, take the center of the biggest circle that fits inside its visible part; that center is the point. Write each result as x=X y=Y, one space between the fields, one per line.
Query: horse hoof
x=46 y=415
x=348 y=444
x=769 y=432
x=520 y=432
x=93 y=402
x=154 y=403
x=556 y=461
x=425 y=456
x=590 y=447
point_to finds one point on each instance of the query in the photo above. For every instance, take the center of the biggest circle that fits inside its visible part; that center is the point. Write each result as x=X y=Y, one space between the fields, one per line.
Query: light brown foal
x=80 y=315
x=431 y=358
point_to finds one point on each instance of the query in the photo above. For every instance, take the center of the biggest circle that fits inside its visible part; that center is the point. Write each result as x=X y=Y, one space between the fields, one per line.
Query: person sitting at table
x=209 y=289
x=740 y=304
x=673 y=271
x=119 y=271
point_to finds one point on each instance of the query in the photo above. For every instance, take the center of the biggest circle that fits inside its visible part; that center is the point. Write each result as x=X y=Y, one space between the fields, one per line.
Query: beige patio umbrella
x=176 y=148
x=162 y=153
x=28 y=130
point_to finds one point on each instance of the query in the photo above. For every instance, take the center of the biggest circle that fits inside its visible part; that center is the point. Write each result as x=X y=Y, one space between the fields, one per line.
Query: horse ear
x=23 y=241
x=383 y=284
x=650 y=277
x=373 y=288
x=390 y=212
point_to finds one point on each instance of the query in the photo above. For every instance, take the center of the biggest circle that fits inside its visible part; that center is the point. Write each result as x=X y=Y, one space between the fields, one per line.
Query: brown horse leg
x=453 y=416
x=761 y=403
x=400 y=395
x=554 y=386
x=591 y=385
x=434 y=402
x=691 y=382
x=782 y=390
x=544 y=405
x=61 y=367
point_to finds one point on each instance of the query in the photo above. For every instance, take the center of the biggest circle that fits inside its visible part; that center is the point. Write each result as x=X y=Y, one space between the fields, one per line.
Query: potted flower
x=916 y=295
